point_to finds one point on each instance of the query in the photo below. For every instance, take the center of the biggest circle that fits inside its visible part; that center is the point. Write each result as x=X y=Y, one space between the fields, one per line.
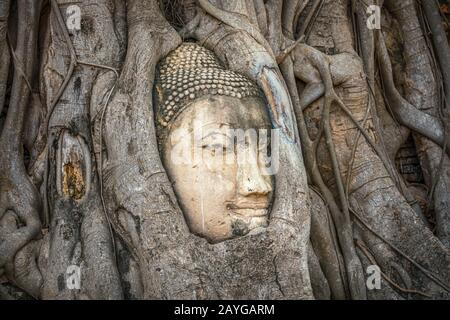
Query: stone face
x=211 y=147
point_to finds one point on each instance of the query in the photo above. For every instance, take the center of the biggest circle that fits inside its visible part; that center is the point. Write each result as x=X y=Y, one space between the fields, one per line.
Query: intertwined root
x=336 y=156
x=19 y=198
x=138 y=197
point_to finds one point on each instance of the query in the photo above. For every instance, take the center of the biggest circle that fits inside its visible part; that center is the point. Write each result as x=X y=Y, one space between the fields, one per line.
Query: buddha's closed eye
x=217 y=143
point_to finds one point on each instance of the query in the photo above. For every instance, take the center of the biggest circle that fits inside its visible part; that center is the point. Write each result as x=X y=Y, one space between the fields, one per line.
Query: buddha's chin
x=243 y=224
x=234 y=226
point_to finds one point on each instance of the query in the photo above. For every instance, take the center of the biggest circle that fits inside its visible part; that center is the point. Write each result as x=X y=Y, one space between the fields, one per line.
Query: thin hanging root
x=366 y=135
x=335 y=246
x=330 y=97
x=18 y=195
x=311 y=18
x=322 y=64
x=355 y=147
x=73 y=63
x=408 y=115
x=372 y=260
x=235 y=21
x=345 y=235
x=424 y=270
x=432 y=13
x=4 y=55
x=325 y=129
x=439 y=171
x=286 y=52
x=67 y=77
x=323 y=67
x=354 y=271
x=188 y=30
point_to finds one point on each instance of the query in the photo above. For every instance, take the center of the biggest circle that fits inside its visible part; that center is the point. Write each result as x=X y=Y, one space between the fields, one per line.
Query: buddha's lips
x=249 y=209
x=250 y=212
x=248 y=205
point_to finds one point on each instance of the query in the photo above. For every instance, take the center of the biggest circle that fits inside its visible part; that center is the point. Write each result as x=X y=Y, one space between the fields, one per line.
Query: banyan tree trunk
x=82 y=183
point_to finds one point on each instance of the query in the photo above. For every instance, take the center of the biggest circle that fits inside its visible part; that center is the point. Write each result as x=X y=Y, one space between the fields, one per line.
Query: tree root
x=4 y=54
x=236 y=21
x=440 y=42
x=340 y=216
x=19 y=196
x=324 y=241
x=81 y=232
x=19 y=199
x=407 y=114
x=372 y=260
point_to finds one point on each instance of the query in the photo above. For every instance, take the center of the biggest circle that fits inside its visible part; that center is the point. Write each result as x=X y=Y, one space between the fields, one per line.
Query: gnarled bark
x=89 y=189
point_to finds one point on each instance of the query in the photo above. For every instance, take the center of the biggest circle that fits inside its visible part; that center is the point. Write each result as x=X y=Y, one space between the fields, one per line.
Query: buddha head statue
x=212 y=127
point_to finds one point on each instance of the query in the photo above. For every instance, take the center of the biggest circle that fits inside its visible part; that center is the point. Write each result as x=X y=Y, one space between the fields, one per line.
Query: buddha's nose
x=250 y=179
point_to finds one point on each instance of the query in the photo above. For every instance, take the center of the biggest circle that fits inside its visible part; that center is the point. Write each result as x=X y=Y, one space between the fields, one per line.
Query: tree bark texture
x=82 y=182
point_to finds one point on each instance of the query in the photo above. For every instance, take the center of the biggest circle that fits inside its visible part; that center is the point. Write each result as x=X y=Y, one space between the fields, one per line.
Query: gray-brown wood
x=83 y=184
